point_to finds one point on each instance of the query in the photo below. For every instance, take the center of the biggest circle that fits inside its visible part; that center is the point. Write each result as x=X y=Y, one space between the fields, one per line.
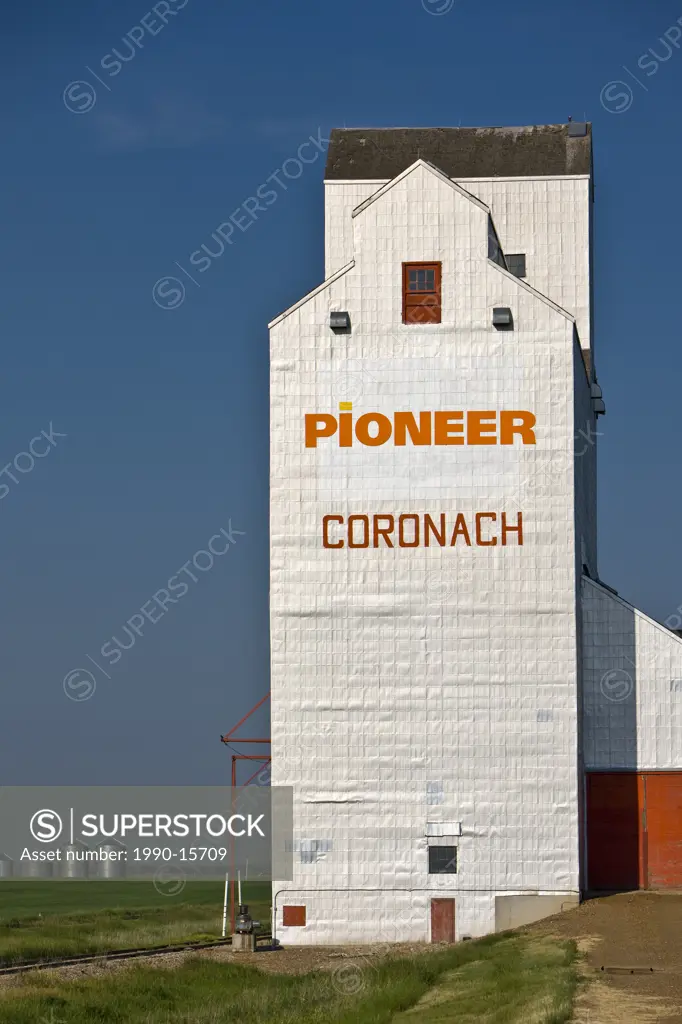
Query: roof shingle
x=532 y=151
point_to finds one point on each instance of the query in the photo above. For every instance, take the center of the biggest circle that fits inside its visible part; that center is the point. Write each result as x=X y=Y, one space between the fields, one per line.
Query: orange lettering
x=477 y=428
x=405 y=423
x=518 y=529
x=325 y=531
x=449 y=424
x=460 y=531
x=346 y=430
x=362 y=429
x=430 y=527
x=401 y=536
x=378 y=532
x=327 y=428
x=525 y=428
x=479 y=540
x=351 y=523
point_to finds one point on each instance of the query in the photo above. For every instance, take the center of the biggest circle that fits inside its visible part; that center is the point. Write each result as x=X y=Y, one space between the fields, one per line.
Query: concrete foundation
x=515 y=911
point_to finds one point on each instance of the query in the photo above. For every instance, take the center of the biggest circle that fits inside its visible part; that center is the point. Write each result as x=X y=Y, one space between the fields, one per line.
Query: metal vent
x=339 y=321
x=502 y=318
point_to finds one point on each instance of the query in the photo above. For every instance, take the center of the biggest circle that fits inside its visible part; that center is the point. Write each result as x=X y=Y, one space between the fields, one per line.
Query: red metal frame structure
x=264 y=759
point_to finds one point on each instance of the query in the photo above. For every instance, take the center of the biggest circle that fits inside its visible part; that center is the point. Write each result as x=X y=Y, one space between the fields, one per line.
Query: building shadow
x=613 y=842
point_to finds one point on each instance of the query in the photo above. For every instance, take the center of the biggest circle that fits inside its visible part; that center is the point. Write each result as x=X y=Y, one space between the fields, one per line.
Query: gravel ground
x=639 y=929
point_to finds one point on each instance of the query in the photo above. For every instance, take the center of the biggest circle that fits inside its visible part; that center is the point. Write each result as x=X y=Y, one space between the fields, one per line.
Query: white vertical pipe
x=239 y=886
x=225 y=906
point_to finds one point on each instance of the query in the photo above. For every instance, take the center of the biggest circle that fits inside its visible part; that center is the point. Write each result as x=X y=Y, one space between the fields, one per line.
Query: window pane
x=421 y=289
x=516 y=263
x=442 y=860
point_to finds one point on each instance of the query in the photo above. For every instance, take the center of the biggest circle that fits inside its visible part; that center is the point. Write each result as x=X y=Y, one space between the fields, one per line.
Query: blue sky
x=110 y=184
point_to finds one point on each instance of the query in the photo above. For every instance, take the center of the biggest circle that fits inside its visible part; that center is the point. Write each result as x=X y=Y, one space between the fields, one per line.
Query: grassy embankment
x=503 y=979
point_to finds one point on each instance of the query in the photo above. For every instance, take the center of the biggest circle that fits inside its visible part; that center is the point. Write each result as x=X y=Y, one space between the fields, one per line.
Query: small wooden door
x=442 y=920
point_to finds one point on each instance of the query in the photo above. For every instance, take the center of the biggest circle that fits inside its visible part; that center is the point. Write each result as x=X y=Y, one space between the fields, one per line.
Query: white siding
x=548 y=219
x=418 y=685
x=633 y=686
x=340 y=199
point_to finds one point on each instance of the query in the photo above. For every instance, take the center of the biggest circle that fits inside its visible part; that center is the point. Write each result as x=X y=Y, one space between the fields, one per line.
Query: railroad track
x=118 y=954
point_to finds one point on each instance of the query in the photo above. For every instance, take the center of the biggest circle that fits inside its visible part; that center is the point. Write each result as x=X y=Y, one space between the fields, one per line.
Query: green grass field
x=503 y=979
x=50 y=919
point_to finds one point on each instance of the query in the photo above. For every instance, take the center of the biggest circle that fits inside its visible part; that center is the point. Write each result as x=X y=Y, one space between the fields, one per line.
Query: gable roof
x=533 y=151
x=408 y=170
x=637 y=612
x=311 y=295
x=533 y=291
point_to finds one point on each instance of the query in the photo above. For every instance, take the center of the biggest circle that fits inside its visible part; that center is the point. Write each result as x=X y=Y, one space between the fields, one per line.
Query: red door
x=613 y=823
x=664 y=829
x=634 y=830
x=442 y=920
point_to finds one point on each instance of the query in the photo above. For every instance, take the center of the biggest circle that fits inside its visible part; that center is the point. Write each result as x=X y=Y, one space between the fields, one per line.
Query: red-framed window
x=422 y=293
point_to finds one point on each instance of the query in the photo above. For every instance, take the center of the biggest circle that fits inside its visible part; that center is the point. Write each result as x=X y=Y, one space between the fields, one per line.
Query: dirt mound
x=640 y=931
